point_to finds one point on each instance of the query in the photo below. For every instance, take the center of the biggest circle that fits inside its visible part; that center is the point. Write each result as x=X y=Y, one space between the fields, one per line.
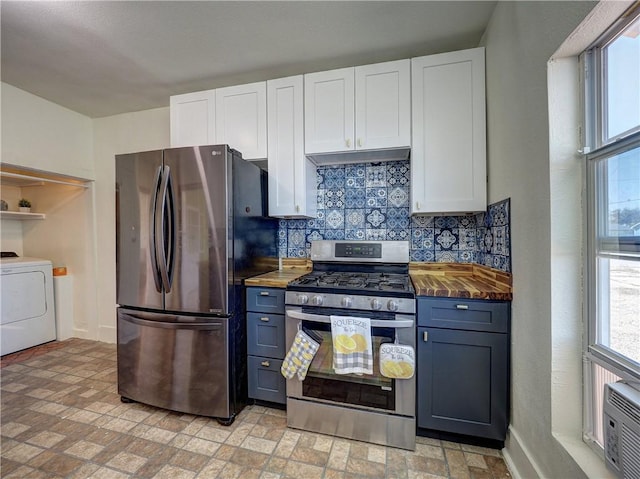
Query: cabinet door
x=241 y=119
x=329 y=111
x=193 y=118
x=383 y=105
x=292 y=177
x=463 y=382
x=448 y=158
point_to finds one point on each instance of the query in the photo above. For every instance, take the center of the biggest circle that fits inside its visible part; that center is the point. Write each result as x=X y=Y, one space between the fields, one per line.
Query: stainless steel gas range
x=364 y=279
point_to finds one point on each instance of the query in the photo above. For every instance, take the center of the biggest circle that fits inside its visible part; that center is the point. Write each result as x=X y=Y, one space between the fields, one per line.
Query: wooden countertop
x=460 y=280
x=292 y=268
x=444 y=280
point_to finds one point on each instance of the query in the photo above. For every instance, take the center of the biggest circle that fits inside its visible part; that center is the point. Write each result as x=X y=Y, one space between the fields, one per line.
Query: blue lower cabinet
x=266 y=344
x=463 y=373
x=266 y=383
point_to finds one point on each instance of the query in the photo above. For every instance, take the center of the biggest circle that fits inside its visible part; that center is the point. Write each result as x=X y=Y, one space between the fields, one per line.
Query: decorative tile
x=376 y=175
x=335 y=219
x=296 y=238
x=354 y=218
x=398 y=173
x=397 y=235
x=355 y=234
x=376 y=197
x=376 y=234
x=375 y=218
x=356 y=198
x=446 y=256
x=371 y=201
x=446 y=239
x=422 y=221
x=334 y=234
x=334 y=198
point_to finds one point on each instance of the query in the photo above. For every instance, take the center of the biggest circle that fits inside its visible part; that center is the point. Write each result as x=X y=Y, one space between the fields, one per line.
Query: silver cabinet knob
x=347 y=302
x=303 y=299
x=376 y=304
x=316 y=300
x=392 y=305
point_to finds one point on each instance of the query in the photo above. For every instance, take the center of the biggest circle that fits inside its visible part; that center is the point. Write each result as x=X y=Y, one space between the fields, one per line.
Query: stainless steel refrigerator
x=191 y=226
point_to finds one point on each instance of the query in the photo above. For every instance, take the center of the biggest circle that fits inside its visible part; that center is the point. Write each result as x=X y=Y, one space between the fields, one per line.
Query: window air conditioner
x=622 y=429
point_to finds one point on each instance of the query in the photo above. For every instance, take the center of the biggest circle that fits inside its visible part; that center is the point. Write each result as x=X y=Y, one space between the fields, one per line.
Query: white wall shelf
x=18 y=215
x=10 y=178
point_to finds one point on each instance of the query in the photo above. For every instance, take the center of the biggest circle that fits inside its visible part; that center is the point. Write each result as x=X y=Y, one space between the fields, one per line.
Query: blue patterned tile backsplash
x=370 y=201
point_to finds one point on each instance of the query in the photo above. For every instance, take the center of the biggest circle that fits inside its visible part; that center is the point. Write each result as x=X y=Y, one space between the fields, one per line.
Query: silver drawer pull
x=266 y=364
x=462 y=306
x=265 y=319
x=425 y=336
x=264 y=293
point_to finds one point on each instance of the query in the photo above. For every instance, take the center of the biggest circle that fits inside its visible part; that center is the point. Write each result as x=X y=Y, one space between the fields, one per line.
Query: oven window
x=321 y=382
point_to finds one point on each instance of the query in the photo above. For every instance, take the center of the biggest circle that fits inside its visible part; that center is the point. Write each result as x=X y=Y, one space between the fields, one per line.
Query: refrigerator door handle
x=208 y=325
x=153 y=250
x=163 y=235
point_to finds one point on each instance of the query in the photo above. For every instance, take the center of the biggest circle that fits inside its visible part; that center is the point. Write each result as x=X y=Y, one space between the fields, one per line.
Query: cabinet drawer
x=266 y=383
x=267 y=300
x=265 y=335
x=466 y=314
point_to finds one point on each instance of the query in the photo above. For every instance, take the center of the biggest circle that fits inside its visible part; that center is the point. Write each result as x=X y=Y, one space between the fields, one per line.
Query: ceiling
x=105 y=58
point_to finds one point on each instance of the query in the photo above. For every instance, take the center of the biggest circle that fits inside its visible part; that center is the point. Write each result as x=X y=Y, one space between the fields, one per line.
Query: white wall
x=38 y=134
x=533 y=160
x=127 y=133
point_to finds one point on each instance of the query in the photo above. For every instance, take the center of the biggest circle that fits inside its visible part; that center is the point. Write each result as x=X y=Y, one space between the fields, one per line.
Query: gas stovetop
x=364 y=275
x=354 y=282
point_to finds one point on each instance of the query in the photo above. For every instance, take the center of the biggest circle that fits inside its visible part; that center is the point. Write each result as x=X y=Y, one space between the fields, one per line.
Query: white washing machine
x=28 y=311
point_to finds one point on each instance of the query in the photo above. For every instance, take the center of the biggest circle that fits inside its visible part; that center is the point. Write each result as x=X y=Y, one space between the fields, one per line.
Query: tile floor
x=61 y=417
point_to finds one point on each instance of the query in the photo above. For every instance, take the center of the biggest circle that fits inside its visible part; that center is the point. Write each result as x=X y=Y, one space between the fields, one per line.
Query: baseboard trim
x=517 y=457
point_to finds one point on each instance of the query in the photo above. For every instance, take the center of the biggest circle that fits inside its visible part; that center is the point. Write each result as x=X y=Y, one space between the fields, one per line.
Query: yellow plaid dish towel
x=352 y=351
x=299 y=356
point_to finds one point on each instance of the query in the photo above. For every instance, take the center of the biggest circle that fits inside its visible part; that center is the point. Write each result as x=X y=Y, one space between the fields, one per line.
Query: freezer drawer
x=175 y=362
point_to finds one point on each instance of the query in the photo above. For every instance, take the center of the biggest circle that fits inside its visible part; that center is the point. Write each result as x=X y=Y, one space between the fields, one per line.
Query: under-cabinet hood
x=359 y=156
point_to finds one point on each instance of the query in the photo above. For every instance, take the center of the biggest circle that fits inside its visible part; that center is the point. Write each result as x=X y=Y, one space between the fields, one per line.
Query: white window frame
x=599 y=361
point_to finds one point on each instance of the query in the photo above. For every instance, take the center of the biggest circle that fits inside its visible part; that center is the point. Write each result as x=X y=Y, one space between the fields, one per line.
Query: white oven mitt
x=299 y=356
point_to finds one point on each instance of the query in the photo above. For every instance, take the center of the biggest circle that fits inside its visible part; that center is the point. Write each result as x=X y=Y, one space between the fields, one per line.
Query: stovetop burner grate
x=355 y=282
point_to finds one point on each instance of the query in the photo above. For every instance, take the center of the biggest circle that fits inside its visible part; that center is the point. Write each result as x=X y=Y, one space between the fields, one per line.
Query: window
x=612 y=111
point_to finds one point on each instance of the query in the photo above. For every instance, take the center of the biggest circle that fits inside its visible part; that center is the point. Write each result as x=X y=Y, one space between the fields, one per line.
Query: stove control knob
x=303 y=299
x=316 y=300
x=376 y=304
x=347 y=302
x=392 y=305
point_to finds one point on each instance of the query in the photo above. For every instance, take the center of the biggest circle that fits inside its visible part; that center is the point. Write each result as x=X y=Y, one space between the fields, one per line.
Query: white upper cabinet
x=361 y=108
x=193 y=118
x=383 y=105
x=328 y=111
x=292 y=177
x=448 y=157
x=241 y=119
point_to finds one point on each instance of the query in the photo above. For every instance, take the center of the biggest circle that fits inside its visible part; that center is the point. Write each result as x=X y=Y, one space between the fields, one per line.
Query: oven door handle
x=375 y=323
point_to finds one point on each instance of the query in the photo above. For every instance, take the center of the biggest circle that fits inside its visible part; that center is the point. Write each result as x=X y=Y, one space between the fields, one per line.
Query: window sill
x=586 y=458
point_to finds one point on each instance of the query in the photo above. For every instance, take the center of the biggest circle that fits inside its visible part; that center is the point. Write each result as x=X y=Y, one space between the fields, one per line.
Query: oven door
x=371 y=392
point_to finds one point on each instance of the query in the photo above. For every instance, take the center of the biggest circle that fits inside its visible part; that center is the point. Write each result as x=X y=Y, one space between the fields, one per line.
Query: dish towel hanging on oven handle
x=397 y=361
x=352 y=351
x=299 y=357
